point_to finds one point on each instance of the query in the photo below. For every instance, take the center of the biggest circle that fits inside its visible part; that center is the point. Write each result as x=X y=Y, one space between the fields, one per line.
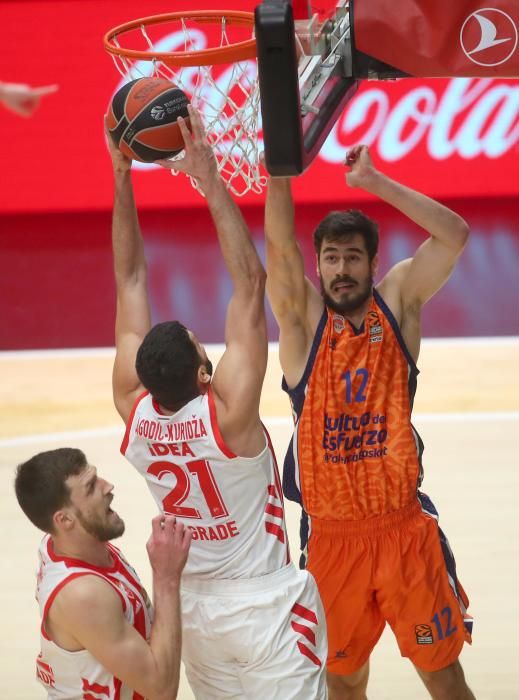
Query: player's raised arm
x=421 y=277
x=89 y=611
x=133 y=319
x=239 y=377
x=295 y=302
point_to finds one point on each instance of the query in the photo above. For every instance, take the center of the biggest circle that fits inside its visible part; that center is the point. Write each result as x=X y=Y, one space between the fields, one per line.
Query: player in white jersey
x=97 y=638
x=253 y=625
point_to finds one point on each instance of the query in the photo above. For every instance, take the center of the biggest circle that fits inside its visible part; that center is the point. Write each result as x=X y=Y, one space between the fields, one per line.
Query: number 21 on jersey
x=199 y=469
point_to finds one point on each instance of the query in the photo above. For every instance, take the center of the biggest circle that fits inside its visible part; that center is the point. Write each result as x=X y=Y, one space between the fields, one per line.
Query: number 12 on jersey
x=359 y=395
x=199 y=468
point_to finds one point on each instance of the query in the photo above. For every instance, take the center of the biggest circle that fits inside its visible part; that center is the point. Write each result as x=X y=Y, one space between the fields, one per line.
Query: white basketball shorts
x=262 y=638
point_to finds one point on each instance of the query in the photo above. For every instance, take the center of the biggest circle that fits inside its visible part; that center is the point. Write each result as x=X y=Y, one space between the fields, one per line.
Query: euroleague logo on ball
x=158 y=113
x=489 y=37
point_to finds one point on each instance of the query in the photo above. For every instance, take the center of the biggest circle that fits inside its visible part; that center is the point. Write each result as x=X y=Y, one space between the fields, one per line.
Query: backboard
x=310 y=62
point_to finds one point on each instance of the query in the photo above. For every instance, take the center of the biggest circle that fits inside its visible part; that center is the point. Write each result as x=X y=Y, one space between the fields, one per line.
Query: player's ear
x=203 y=377
x=374 y=265
x=62 y=520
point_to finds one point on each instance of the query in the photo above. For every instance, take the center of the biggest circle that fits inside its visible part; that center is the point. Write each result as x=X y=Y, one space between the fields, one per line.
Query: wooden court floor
x=467 y=411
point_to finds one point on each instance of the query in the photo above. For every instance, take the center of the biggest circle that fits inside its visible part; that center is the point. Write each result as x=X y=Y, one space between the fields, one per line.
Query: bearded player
x=98 y=635
x=348 y=354
x=253 y=627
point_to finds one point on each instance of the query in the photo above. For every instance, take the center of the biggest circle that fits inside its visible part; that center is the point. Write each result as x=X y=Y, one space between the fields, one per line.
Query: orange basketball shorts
x=397 y=568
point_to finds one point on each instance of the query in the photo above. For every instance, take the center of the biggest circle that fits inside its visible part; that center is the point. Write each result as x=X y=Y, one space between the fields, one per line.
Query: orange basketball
x=142 y=119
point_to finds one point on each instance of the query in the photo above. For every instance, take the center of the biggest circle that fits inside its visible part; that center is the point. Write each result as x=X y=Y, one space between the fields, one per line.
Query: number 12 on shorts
x=442 y=622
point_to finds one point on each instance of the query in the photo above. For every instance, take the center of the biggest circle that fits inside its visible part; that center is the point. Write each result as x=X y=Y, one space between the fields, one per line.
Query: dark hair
x=167 y=364
x=40 y=484
x=339 y=224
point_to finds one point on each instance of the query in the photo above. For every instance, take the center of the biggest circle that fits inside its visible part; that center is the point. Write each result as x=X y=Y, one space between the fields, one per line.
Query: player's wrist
x=371 y=181
x=212 y=183
x=167 y=582
x=122 y=171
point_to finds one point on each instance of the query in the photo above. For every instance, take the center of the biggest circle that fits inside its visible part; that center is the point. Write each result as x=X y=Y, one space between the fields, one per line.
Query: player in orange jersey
x=348 y=354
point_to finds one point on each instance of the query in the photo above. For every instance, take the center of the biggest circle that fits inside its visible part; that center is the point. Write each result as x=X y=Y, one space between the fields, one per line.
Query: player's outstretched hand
x=120 y=162
x=168 y=547
x=199 y=160
x=23 y=99
x=362 y=168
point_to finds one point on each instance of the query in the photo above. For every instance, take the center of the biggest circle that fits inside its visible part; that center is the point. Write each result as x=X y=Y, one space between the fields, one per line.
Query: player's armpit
x=89 y=610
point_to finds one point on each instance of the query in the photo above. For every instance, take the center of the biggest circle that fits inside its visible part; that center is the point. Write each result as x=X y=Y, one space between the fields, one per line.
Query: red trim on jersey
x=276 y=531
x=156 y=407
x=304 y=630
x=58 y=588
x=276 y=511
x=94 y=688
x=214 y=425
x=83 y=564
x=126 y=438
x=123 y=564
x=301 y=611
x=309 y=653
x=279 y=488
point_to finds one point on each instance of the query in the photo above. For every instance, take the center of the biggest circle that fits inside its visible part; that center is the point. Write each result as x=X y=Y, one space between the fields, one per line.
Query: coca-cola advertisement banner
x=441 y=38
x=446 y=137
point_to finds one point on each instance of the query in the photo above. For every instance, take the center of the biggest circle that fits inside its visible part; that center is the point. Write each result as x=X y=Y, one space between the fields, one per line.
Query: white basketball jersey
x=232 y=504
x=68 y=675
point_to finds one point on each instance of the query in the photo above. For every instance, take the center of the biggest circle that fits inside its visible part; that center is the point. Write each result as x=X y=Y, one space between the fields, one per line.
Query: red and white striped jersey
x=70 y=675
x=232 y=504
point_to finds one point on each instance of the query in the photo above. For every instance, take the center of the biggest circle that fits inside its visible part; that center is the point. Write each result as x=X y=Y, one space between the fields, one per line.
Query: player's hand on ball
x=199 y=160
x=120 y=162
x=362 y=168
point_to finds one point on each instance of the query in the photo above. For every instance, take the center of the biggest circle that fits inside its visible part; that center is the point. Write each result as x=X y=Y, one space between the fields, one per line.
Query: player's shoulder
x=84 y=593
x=395 y=275
x=391 y=285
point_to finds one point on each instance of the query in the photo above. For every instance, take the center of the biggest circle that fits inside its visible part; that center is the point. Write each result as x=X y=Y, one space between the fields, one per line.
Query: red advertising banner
x=446 y=137
x=441 y=38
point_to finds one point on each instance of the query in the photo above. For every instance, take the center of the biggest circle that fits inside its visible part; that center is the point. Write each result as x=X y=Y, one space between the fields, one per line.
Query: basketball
x=142 y=119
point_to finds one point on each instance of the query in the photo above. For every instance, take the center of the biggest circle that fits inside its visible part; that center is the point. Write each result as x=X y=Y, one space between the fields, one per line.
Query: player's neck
x=87 y=549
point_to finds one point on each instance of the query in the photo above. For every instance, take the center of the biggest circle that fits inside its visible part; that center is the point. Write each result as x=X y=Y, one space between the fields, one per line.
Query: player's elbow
x=167 y=690
x=460 y=233
x=258 y=281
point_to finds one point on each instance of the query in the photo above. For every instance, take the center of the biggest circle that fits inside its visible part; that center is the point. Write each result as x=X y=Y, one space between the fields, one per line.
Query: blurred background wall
x=455 y=140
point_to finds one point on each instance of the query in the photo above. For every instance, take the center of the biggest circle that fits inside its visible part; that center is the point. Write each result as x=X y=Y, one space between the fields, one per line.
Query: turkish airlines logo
x=489 y=37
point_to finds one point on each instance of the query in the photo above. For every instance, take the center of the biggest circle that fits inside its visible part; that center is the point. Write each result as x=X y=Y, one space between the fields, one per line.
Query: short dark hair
x=40 y=484
x=167 y=364
x=339 y=224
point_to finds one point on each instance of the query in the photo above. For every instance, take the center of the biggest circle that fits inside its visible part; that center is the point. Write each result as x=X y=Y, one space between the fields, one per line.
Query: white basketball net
x=228 y=101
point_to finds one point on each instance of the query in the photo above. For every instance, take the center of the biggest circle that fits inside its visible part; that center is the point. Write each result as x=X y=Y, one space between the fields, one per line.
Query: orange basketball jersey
x=354 y=453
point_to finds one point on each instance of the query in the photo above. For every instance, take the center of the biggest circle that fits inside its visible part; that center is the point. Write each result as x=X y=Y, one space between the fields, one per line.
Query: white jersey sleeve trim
x=126 y=438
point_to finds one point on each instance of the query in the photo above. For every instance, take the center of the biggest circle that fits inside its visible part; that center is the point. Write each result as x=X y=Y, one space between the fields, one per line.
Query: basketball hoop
x=220 y=79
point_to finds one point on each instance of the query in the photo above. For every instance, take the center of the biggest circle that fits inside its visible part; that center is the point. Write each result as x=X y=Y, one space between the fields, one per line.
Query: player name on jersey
x=171 y=432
